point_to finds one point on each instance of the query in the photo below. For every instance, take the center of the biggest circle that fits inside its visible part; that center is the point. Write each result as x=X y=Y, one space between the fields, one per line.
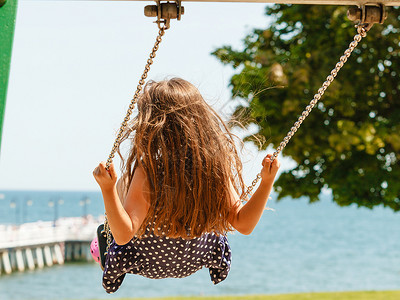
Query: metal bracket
x=367 y=15
x=165 y=12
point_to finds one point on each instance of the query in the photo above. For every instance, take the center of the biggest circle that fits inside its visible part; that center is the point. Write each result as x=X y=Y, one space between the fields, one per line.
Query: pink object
x=94 y=249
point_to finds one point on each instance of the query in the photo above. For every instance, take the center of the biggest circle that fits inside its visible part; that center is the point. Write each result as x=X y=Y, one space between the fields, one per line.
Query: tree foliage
x=350 y=142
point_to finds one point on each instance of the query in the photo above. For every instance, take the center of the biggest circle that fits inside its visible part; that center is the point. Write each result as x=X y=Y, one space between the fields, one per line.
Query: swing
x=366 y=16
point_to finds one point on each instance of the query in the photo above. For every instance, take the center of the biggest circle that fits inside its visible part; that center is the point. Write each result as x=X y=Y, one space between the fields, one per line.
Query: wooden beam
x=318 y=2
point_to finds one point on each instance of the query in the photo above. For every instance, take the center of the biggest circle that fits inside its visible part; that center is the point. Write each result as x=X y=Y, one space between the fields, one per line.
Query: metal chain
x=107 y=230
x=136 y=96
x=361 y=33
x=127 y=117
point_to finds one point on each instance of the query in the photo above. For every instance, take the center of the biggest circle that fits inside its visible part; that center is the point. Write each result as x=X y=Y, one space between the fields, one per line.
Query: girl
x=179 y=193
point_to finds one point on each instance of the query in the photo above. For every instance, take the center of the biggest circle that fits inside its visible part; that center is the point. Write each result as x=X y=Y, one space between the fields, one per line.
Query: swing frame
x=365 y=16
x=309 y=2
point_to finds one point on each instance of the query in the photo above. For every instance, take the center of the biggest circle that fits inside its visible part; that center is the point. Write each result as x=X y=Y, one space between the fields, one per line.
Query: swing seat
x=102 y=243
x=158 y=257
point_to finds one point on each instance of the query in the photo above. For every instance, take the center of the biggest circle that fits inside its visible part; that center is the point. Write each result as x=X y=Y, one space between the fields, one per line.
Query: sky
x=75 y=67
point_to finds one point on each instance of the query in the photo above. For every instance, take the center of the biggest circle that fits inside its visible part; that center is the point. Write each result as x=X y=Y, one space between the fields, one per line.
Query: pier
x=35 y=245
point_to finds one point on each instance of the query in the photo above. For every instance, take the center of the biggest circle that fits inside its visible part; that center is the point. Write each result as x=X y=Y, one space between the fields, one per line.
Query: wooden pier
x=36 y=245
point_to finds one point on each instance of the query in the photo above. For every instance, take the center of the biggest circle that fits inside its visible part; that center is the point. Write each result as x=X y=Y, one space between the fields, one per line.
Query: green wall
x=7 y=24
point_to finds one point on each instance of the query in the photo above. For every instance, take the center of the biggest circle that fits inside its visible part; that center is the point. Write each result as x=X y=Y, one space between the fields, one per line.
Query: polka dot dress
x=162 y=257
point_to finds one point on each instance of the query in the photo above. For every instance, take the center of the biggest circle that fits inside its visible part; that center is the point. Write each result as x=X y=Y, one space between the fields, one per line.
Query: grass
x=371 y=295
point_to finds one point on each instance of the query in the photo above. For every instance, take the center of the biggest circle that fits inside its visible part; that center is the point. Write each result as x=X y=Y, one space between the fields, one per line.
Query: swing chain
x=124 y=124
x=135 y=97
x=107 y=230
x=361 y=33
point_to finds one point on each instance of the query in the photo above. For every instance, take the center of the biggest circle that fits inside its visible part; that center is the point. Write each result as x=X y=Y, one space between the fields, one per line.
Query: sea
x=297 y=247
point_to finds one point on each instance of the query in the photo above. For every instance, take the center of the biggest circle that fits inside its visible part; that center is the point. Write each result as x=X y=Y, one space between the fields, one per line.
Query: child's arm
x=244 y=218
x=124 y=219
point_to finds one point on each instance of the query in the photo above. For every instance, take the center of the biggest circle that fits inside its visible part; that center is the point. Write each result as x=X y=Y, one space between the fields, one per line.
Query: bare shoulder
x=122 y=185
x=138 y=198
x=140 y=173
x=140 y=183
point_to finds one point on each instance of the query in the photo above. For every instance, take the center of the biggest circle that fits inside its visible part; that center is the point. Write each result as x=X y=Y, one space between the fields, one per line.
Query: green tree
x=350 y=142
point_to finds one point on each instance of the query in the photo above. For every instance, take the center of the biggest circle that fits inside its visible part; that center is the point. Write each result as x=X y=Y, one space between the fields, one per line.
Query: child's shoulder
x=140 y=172
x=140 y=180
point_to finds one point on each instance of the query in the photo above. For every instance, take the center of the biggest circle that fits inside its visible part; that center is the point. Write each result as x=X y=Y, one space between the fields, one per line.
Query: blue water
x=300 y=247
x=30 y=206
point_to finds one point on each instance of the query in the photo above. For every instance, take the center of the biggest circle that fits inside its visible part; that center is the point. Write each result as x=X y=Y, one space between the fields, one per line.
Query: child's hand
x=106 y=179
x=269 y=169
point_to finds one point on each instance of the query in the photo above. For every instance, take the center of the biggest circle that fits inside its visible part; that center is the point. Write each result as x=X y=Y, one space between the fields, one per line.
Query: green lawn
x=373 y=295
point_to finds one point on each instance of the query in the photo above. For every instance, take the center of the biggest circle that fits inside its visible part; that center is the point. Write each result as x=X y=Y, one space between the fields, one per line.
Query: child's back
x=183 y=177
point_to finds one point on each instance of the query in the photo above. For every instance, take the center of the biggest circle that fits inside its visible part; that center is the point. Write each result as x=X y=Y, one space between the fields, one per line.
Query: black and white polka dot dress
x=161 y=257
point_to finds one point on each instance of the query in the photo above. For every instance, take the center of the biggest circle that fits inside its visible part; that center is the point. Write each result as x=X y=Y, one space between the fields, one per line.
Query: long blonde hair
x=190 y=159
